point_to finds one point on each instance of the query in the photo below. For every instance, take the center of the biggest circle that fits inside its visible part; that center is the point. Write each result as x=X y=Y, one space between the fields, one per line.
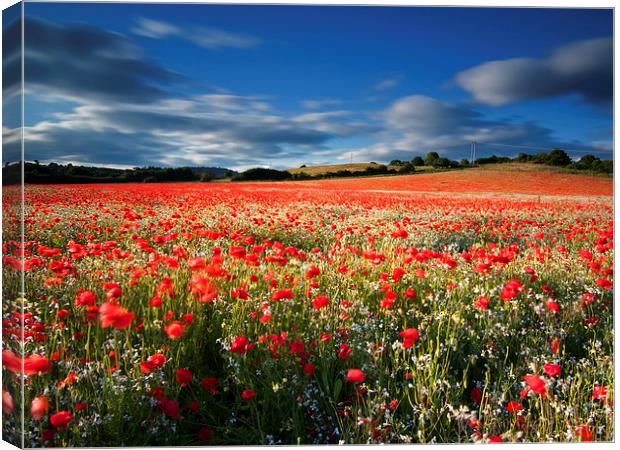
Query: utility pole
x=473 y=153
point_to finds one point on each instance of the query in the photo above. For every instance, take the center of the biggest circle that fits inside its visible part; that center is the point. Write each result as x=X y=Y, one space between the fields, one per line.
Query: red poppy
x=39 y=407
x=599 y=393
x=410 y=337
x=11 y=361
x=85 y=298
x=282 y=294
x=209 y=384
x=482 y=303
x=514 y=407
x=388 y=300
x=536 y=384
x=175 y=329
x=204 y=434
x=248 y=394
x=553 y=306
x=409 y=294
x=61 y=419
x=184 y=377
x=239 y=345
x=7 y=402
x=155 y=302
x=320 y=302
x=113 y=315
x=36 y=365
x=325 y=337
x=355 y=376
x=555 y=345
x=511 y=290
x=154 y=362
x=585 y=433
x=604 y=283
x=344 y=352
x=81 y=406
x=193 y=406
x=309 y=369
x=169 y=407
x=552 y=370
x=475 y=395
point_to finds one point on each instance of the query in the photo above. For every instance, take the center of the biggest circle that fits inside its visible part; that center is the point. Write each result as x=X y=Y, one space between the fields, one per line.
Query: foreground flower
x=33 y=364
x=248 y=394
x=239 y=345
x=355 y=376
x=585 y=433
x=174 y=329
x=552 y=370
x=7 y=402
x=536 y=384
x=154 y=362
x=169 y=407
x=410 y=337
x=209 y=384
x=114 y=315
x=320 y=302
x=514 y=407
x=476 y=395
x=61 y=419
x=85 y=298
x=204 y=434
x=599 y=393
x=184 y=377
x=39 y=407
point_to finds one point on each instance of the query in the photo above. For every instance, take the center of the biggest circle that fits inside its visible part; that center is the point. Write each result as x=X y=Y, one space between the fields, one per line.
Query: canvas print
x=294 y=224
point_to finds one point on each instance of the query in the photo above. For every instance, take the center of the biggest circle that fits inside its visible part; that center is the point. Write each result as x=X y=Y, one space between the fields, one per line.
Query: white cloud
x=584 y=68
x=387 y=84
x=318 y=104
x=206 y=37
x=154 y=29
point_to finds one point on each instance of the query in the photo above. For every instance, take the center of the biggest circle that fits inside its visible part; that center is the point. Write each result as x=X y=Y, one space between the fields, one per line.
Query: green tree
x=558 y=157
x=430 y=158
x=417 y=161
x=440 y=163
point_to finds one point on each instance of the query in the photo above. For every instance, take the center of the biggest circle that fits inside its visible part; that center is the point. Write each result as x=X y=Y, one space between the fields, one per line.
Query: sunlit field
x=465 y=307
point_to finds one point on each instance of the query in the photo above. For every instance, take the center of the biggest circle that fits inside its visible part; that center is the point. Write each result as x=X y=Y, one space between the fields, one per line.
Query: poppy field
x=386 y=310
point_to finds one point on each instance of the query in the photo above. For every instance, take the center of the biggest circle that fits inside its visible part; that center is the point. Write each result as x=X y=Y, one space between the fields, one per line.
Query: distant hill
x=354 y=167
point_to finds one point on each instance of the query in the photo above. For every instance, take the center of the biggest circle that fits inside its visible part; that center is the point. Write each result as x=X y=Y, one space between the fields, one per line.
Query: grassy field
x=464 y=306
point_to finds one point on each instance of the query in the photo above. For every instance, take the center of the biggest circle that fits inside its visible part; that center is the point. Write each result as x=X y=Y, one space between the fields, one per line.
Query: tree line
x=53 y=173
x=556 y=157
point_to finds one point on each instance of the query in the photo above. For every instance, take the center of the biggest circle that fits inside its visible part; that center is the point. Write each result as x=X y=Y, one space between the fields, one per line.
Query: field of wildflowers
x=309 y=313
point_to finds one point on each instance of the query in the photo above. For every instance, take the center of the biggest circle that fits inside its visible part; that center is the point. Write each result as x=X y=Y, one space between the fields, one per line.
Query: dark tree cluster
x=559 y=158
x=53 y=173
x=432 y=159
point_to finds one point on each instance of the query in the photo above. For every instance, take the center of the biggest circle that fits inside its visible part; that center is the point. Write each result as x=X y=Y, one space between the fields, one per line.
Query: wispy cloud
x=320 y=103
x=98 y=64
x=387 y=84
x=206 y=37
x=584 y=68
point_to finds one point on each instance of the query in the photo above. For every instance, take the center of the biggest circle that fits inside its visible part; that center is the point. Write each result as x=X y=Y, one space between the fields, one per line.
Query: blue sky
x=243 y=86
